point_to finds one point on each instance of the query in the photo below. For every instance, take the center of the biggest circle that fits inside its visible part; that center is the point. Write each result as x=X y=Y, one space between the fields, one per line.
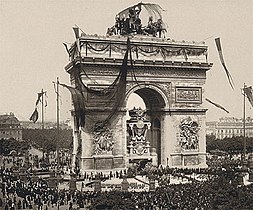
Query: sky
x=32 y=55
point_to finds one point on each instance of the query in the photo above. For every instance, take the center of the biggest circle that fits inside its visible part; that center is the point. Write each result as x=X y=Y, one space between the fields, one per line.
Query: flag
x=76 y=31
x=249 y=93
x=35 y=115
x=79 y=105
x=217 y=105
x=78 y=48
x=39 y=96
x=66 y=47
x=218 y=45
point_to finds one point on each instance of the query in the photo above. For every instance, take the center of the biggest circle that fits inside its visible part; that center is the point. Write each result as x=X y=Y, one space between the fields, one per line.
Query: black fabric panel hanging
x=79 y=105
x=115 y=92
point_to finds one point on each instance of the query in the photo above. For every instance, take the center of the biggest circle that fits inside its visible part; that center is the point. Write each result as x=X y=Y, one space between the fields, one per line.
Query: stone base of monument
x=102 y=162
x=189 y=159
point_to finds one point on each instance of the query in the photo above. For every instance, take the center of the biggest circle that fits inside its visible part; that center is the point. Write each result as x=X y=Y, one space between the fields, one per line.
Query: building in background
x=10 y=127
x=64 y=125
x=229 y=127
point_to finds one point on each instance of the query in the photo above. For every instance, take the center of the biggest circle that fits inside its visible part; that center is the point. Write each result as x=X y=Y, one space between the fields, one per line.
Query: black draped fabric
x=217 y=105
x=113 y=95
x=218 y=45
x=79 y=105
x=35 y=115
x=249 y=93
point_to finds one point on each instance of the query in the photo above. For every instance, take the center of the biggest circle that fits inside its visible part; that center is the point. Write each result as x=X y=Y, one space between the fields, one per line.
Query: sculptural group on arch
x=129 y=22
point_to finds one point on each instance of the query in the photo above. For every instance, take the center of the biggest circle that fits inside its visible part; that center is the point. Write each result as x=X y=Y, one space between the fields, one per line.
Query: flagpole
x=58 y=120
x=42 y=109
x=244 y=125
x=42 y=122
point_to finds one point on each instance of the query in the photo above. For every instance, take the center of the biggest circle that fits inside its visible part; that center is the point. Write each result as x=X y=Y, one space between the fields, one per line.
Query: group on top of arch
x=128 y=22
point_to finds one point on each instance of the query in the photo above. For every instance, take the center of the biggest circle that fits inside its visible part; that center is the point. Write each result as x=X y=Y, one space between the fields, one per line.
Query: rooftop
x=9 y=119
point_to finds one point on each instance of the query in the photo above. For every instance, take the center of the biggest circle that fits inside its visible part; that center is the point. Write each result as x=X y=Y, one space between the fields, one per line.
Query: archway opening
x=152 y=101
x=134 y=100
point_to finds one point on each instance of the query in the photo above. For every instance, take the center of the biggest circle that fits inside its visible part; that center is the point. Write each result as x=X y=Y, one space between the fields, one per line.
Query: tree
x=8 y=145
x=47 y=139
x=232 y=145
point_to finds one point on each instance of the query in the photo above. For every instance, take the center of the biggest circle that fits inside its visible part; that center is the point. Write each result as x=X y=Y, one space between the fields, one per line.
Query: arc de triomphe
x=169 y=76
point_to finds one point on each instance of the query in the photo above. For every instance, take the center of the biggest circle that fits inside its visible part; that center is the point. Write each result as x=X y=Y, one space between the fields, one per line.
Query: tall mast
x=244 y=124
x=58 y=121
x=42 y=122
x=42 y=109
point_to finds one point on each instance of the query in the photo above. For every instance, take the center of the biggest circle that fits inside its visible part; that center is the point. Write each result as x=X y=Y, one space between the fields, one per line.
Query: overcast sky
x=32 y=54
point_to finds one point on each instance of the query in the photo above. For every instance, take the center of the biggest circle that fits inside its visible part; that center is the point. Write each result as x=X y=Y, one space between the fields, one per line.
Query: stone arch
x=149 y=89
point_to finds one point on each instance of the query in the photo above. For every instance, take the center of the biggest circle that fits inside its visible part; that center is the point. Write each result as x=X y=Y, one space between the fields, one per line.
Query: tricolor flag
x=76 y=31
x=39 y=96
x=218 y=45
x=249 y=93
x=217 y=105
x=67 y=49
x=78 y=48
x=35 y=115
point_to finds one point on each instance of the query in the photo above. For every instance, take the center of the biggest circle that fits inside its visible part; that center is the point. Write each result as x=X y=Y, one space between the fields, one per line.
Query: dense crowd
x=219 y=190
x=201 y=195
x=17 y=194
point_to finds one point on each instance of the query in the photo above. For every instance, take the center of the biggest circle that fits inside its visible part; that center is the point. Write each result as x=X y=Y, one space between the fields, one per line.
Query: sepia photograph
x=126 y=105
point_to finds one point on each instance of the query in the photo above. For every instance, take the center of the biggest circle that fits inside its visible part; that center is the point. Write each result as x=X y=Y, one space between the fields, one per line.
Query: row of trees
x=7 y=146
x=46 y=140
x=232 y=145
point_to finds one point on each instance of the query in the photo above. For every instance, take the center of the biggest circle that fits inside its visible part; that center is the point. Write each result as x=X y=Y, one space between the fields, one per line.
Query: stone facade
x=10 y=127
x=170 y=79
x=230 y=127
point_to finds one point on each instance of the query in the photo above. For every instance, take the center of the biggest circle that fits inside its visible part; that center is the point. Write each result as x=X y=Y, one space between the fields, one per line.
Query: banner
x=217 y=105
x=249 y=93
x=218 y=45
x=79 y=106
x=35 y=115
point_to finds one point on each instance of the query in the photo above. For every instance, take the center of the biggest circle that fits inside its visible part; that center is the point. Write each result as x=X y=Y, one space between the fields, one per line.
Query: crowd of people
x=18 y=194
x=192 y=196
x=218 y=189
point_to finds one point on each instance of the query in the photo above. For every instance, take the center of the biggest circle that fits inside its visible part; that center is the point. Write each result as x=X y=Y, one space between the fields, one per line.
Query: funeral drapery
x=113 y=95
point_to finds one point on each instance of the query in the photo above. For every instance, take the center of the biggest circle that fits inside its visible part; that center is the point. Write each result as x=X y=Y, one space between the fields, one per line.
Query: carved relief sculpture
x=188 y=94
x=103 y=141
x=189 y=138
